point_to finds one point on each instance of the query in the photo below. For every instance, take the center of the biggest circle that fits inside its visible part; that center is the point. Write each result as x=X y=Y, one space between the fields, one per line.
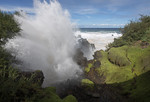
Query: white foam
x=99 y=39
x=47 y=42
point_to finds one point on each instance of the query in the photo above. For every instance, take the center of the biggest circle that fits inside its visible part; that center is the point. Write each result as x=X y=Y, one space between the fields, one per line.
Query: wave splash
x=46 y=43
x=100 y=39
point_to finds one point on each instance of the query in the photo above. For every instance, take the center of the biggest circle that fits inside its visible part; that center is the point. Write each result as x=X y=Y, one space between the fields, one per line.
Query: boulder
x=97 y=55
x=80 y=59
x=97 y=64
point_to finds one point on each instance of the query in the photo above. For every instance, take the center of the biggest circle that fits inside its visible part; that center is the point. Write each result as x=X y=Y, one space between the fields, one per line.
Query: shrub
x=8 y=27
x=134 y=31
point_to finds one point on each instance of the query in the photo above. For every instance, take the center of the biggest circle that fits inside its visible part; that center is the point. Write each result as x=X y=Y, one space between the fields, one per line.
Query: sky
x=92 y=13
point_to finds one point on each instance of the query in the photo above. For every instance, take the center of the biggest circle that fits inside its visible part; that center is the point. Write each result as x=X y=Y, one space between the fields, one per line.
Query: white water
x=99 y=39
x=46 y=43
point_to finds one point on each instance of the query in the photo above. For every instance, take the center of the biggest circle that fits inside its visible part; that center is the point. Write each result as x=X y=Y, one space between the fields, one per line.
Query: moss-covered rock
x=121 y=64
x=97 y=55
x=87 y=83
x=87 y=69
x=70 y=98
x=119 y=56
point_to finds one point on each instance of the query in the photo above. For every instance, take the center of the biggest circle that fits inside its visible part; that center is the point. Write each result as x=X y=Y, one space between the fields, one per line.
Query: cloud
x=86 y=11
x=16 y=8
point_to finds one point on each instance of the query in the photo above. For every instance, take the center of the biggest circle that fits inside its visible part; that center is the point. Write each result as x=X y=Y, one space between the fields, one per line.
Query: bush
x=8 y=27
x=134 y=31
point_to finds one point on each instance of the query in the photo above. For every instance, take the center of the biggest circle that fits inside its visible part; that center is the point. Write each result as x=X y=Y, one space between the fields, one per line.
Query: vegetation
x=126 y=64
x=8 y=27
x=134 y=31
x=136 y=89
x=87 y=69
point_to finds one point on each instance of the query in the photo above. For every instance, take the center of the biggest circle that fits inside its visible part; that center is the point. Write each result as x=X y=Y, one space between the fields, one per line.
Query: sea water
x=100 y=37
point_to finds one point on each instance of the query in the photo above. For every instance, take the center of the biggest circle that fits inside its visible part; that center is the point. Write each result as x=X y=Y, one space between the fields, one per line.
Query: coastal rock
x=97 y=55
x=85 y=47
x=80 y=59
x=97 y=64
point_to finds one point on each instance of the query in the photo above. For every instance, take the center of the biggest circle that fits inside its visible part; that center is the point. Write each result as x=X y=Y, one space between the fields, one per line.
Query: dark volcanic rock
x=97 y=64
x=99 y=93
x=86 y=48
x=80 y=59
x=97 y=55
x=86 y=44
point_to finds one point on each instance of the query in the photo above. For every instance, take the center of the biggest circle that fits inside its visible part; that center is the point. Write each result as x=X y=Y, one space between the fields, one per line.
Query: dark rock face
x=83 y=52
x=80 y=59
x=86 y=44
x=86 y=47
x=36 y=76
x=97 y=55
x=94 y=76
x=99 y=93
x=97 y=64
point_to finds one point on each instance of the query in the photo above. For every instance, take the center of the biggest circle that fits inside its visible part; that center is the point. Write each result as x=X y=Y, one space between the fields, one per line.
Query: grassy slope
x=136 y=63
x=136 y=89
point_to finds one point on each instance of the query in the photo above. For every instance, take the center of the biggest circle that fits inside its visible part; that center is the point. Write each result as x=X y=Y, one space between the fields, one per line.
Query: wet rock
x=80 y=59
x=97 y=55
x=97 y=64
x=86 y=48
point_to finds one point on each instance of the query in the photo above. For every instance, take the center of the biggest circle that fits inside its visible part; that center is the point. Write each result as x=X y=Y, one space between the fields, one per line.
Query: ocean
x=100 y=37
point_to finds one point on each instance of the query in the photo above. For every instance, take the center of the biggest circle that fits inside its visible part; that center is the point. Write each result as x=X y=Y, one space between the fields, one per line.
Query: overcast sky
x=92 y=13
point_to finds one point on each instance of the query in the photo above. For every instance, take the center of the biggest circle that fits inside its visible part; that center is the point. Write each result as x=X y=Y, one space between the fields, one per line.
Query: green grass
x=137 y=89
x=140 y=58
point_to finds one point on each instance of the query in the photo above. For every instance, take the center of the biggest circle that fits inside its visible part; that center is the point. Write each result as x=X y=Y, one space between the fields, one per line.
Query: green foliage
x=146 y=37
x=8 y=27
x=87 y=69
x=134 y=31
x=6 y=59
x=118 y=42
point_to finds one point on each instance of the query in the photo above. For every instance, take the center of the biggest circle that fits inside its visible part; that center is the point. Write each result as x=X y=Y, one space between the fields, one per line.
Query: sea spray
x=46 y=42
